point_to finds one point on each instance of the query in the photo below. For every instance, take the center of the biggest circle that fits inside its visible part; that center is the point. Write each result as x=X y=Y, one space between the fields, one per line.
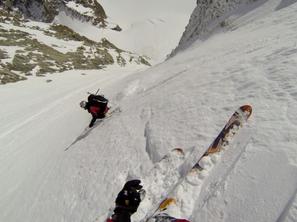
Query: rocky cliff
x=208 y=16
x=46 y=10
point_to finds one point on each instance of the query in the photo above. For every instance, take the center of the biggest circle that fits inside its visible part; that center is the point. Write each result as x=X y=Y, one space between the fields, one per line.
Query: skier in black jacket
x=96 y=106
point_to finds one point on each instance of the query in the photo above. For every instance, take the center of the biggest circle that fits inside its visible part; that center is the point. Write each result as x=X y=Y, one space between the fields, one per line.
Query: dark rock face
x=40 y=10
x=117 y=28
x=98 y=18
x=46 y=10
x=208 y=16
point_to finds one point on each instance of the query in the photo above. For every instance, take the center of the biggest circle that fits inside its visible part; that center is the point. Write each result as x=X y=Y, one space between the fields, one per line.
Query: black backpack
x=97 y=100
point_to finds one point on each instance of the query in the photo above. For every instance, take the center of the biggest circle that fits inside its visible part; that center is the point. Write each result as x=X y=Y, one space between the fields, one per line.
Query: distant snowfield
x=149 y=28
x=183 y=102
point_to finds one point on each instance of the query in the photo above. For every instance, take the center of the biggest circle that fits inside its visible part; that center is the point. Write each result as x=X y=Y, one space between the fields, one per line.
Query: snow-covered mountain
x=41 y=37
x=35 y=48
x=183 y=102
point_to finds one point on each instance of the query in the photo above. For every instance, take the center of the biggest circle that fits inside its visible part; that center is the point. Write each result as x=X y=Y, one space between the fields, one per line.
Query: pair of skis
x=88 y=130
x=234 y=124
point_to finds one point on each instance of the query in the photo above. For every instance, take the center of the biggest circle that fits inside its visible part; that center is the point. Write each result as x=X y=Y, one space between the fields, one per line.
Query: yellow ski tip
x=167 y=202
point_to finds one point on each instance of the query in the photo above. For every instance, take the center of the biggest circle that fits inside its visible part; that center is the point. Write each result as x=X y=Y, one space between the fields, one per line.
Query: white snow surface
x=183 y=102
x=10 y=51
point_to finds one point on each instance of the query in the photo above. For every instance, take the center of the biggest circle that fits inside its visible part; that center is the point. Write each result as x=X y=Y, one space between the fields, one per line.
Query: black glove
x=133 y=184
x=130 y=197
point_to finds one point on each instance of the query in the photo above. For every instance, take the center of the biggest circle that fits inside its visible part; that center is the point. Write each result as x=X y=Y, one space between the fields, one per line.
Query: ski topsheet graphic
x=236 y=121
x=191 y=173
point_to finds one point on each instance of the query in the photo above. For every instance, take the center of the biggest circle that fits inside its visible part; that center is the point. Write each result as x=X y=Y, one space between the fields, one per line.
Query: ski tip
x=178 y=151
x=247 y=109
x=165 y=203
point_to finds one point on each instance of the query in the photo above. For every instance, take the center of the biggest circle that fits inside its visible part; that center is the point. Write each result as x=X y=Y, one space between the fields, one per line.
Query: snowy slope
x=183 y=102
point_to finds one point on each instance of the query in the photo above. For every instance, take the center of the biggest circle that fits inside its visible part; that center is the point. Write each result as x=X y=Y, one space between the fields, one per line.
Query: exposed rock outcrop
x=46 y=10
x=206 y=17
